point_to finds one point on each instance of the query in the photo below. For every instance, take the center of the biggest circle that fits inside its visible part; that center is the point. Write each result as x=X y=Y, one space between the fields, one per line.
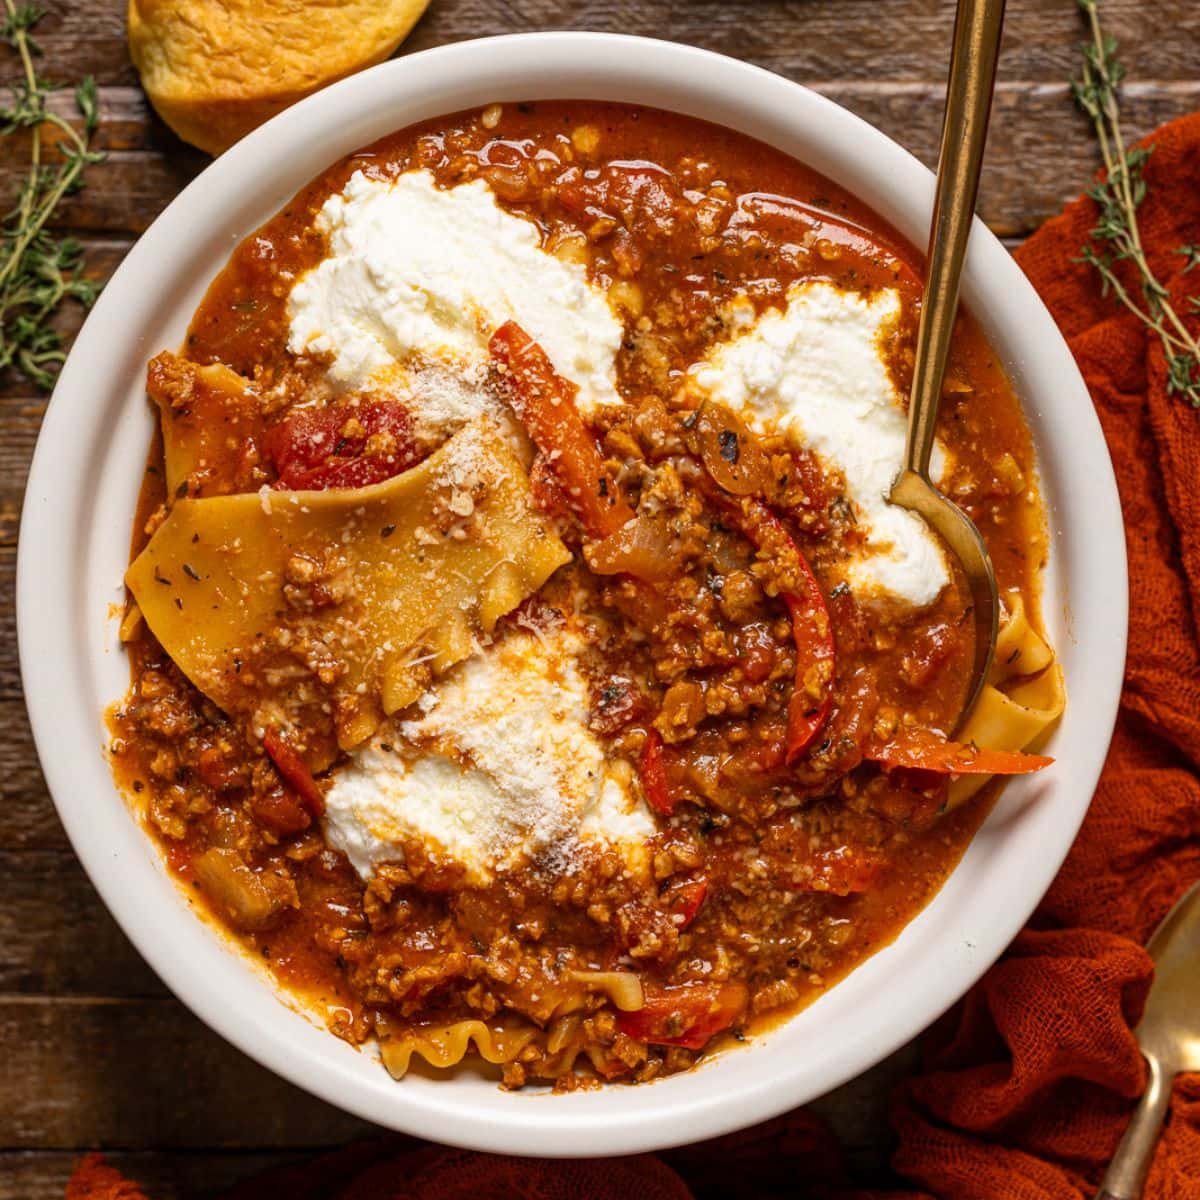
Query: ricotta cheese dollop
x=816 y=371
x=496 y=767
x=416 y=270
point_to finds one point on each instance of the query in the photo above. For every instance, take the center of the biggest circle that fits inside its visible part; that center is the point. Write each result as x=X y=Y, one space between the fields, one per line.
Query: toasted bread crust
x=215 y=71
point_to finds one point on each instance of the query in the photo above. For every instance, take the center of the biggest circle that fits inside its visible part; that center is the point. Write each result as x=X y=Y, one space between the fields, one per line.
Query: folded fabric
x=1026 y=1085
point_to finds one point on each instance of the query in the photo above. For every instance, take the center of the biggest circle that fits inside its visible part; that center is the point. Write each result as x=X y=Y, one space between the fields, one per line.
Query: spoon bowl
x=965 y=543
x=1170 y=1026
x=1169 y=1037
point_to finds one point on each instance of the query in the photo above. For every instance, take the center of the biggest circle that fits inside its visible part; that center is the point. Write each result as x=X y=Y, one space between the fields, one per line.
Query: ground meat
x=772 y=876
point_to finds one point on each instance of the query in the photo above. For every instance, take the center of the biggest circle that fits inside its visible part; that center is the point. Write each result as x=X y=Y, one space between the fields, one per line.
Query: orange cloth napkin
x=1026 y=1085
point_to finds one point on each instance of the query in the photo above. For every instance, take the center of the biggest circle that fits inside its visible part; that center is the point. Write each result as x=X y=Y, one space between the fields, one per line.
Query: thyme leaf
x=1116 y=238
x=39 y=270
x=1192 y=253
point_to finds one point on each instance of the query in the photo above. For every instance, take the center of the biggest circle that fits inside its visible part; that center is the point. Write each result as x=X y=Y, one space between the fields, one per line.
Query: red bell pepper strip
x=655 y=784
x=924 y=750
x=295 y=772
x=812 y=633
x=545 y=404
x=683 y=901
x=813 y=636
x=688 y=1015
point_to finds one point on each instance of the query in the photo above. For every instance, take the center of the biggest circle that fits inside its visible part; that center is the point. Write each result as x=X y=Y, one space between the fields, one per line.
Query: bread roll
x=215 y=69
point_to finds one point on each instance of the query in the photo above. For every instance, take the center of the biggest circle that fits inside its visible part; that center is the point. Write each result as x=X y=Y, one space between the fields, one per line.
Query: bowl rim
x=53 y=559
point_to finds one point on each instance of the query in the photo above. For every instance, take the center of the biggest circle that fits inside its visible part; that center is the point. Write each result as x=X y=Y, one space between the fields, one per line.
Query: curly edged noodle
x=447 y=1045
x=417 y=567
x=502 y=1041
x=623 y=988
x=1023 y=697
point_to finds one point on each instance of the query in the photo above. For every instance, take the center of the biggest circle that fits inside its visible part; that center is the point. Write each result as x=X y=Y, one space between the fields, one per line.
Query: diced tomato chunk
x=547 y=492
x=653 y=769
x=683 y=901
x=342 y=446
x=295 y=772
x=839 y=870
x=352 y=473
x=616 y=705
x=688 y=1015
x=219 y=770
x=813 y=634
x=281 y=811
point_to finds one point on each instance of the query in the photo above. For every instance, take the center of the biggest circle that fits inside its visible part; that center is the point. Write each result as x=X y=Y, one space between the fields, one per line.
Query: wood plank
x=144 y=1073
x=857 y=1112
x=848 y=39
x=842 y=39
x=85 y=37
x=58 y=938
x=124 y=193
x=21 y=408
x=1040 y=150
x=27 y=817
x=1039 y=155
x=20 y=418
x=164 y=1175
x=154 y=1077
x=10 y=674
x=127 y=122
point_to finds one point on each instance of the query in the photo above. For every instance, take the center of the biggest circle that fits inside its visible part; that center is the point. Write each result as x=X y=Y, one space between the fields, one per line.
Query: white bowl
x=75 y=542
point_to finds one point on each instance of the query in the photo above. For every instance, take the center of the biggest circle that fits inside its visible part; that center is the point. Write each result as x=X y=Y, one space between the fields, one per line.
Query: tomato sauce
x=785 y=854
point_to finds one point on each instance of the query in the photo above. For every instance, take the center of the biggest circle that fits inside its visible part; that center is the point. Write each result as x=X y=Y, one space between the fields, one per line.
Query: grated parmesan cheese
x=495 y=768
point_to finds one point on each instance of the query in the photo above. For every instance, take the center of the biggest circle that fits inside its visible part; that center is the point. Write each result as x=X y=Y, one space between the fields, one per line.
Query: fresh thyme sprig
x=1116 y=237
x=38 y=270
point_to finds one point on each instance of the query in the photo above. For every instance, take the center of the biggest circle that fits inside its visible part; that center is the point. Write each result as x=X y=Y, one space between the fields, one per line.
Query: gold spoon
x=977 y=26
x=1169 y=1037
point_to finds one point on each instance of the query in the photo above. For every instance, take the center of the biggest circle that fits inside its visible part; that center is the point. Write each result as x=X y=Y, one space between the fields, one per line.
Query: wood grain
x=152 y=1074
x=805 y=39
x=27 y=818
x=96 y=1052
x=58 y=940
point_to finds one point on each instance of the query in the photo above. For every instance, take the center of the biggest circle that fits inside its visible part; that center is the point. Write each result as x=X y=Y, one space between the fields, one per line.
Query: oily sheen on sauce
x=586 y=840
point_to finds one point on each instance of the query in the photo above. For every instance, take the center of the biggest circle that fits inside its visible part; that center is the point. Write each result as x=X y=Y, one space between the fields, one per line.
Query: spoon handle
x=977 y=26
x=1126 y=1174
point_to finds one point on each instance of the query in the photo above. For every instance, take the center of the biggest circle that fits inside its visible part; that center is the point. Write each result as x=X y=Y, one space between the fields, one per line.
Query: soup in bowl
x=528 y=673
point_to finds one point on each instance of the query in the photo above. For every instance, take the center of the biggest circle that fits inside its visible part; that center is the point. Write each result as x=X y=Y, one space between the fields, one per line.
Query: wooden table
x=94 y=1051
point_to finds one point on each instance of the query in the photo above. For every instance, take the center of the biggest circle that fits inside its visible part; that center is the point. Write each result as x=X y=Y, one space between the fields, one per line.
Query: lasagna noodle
x=1022 y=699
x=447 y=1045
x=563 y=1061
x=414 y=569
x=623 y=988
x=205 y=411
